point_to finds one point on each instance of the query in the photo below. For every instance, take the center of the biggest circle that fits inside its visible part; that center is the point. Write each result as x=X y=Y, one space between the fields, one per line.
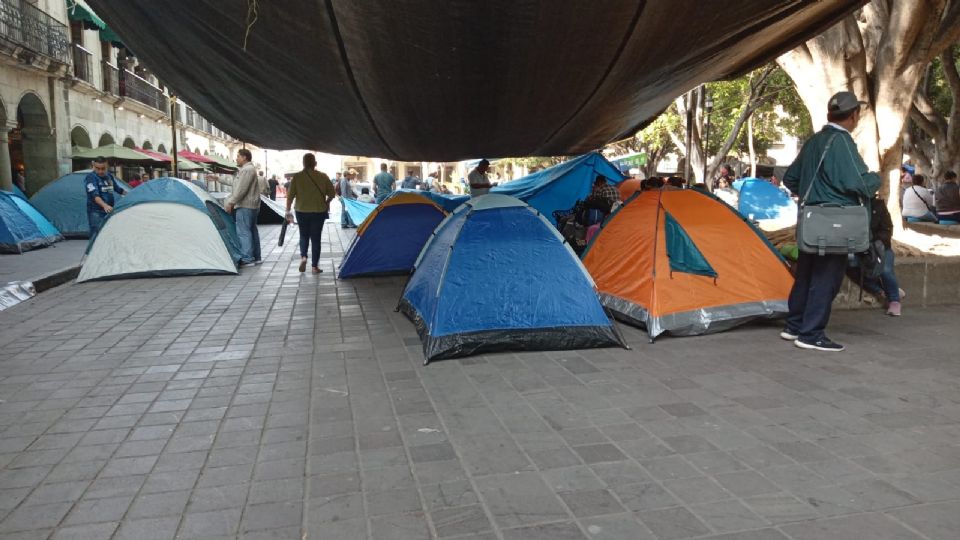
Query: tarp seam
x=341 y=46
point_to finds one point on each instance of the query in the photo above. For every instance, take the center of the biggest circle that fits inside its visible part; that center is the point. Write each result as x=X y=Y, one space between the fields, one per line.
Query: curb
x=55 y=278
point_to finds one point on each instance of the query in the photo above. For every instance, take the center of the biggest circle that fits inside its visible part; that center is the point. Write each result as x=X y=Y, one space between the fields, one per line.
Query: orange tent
x=628 y=188
x=683 y=262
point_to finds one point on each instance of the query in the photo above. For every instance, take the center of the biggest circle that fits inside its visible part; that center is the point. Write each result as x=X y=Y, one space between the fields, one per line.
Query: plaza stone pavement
x=287 y=406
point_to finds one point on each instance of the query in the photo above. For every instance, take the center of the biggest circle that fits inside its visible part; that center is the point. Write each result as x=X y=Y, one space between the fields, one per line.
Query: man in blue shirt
x=383 y=184
x=100 y=186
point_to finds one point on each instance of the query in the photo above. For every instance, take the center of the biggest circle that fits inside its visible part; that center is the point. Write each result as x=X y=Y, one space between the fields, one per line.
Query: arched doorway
x=33 y=148
x=106 y=139
x=147 y=145
x=79 y=137
x=162 y=149
x=129 y=143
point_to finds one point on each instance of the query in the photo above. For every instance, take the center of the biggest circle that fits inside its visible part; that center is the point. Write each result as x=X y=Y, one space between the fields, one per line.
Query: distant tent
x=763 y=201
x=271 y=212
x=358 y=211
x=561 y=186
x=497 y=276
x=389 y=241
x=683 y=262
x=166 y=227
x=22 y=227
x=64 y=203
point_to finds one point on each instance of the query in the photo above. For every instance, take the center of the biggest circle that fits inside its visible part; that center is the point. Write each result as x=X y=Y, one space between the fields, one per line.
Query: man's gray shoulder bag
x=830 y=228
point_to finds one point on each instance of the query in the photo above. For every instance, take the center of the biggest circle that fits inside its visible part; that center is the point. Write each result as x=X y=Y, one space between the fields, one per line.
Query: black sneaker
x=822 y=344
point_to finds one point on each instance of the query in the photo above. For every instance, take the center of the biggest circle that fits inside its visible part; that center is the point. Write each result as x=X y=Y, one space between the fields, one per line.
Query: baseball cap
x=842 y=102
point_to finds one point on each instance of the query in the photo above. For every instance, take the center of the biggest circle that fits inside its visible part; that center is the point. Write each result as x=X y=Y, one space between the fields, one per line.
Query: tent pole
x=173 y=129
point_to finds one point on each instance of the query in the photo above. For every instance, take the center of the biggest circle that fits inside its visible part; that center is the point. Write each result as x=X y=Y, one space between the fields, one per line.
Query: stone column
x=6 y=173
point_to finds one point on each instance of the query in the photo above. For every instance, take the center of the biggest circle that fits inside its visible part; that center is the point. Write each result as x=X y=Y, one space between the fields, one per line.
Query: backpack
x=336 y=188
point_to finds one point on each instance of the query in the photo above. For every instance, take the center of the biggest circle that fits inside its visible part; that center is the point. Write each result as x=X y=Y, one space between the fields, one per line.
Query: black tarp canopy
x=443 y=80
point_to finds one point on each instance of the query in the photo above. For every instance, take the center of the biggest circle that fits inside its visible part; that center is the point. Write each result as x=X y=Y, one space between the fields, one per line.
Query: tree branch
x=925 y=124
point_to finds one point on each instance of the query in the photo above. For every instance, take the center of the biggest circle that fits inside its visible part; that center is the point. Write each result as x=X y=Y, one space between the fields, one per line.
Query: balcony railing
x=139 y=89
x=34 y=29
x=111 y=78
x=82 y=63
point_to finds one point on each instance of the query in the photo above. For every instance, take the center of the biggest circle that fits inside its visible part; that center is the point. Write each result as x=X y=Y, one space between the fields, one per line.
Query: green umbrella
x=223 y=163
x=113 y=152
x=187 y=165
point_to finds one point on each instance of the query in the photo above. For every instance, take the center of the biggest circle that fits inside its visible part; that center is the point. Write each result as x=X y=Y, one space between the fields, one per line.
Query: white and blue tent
x=64 y=203
x=497 y=276
x=22 y=227
x=561 y=186
x=166 y=227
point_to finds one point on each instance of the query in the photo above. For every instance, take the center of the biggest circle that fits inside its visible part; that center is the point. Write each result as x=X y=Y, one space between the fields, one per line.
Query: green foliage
x=728 y=100
x=936 y=87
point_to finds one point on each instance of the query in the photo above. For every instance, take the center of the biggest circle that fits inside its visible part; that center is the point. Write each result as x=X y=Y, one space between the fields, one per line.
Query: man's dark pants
x=817 y=282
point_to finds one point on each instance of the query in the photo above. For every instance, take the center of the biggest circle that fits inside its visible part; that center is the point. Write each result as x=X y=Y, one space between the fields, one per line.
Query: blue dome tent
x=497 y=276
x=561 y=186
x=389 y=241
x=64 y=203
x=763 y=200
x=166 y=227
x=22 y=227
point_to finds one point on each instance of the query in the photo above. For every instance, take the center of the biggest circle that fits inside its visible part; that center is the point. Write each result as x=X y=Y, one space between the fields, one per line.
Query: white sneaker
x=245 y=265
x=788 y=336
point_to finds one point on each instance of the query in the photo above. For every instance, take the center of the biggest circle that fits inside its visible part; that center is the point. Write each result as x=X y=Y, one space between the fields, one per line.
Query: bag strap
x=924 y=201
x=315 y=184
x=817 y=170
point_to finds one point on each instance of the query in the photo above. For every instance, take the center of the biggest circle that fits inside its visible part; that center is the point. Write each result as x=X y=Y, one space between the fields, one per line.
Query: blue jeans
x=818 y=280
x=248 y=234
x=382 y=196
x=887 y=284
x=345 y=220
x=311 y=228
x=95 y=219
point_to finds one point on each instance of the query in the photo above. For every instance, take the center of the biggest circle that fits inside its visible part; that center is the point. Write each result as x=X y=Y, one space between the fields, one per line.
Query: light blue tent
x=762 y=200
x=359 y=211
x=497 y=276
x=22 y=227
x=165 y=227
x=64 y=203
x=561 y=186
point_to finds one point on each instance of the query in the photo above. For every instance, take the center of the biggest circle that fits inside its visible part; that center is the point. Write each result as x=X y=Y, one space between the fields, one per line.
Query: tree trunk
x=880 y=53
x=753 y=152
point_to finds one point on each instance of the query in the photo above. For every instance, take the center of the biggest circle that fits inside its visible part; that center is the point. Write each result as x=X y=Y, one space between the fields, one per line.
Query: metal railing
x=111 y=78
x=139 y=89
x=82 y=63
x=34 y=29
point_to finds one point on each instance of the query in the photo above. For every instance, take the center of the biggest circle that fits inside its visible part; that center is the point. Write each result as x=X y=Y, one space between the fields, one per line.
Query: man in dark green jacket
x=831 y=162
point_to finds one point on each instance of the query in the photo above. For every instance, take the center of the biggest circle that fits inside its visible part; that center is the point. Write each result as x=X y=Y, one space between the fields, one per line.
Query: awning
x=182 y=164
x=114 y=152
x=186 y=154
x=453 y=80
x=224 y=163
x=82 y=14
x=111 y=37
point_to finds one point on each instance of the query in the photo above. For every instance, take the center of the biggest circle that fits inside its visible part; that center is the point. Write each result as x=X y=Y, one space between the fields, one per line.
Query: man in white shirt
x=479 y=183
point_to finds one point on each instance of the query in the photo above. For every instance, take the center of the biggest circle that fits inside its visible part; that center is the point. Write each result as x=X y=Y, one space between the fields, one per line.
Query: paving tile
x=701 y=489
x=866 y=526
x=878 y=495
x=673 y=523
x=519 y=499
x=616 y=527
x=780 y=508
x=728 y=516
x=399 y=527
x=461 y=520
x=645 y=496
x=591 y=503
x=746 y=483
x=92 y=531
x=552 y=531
